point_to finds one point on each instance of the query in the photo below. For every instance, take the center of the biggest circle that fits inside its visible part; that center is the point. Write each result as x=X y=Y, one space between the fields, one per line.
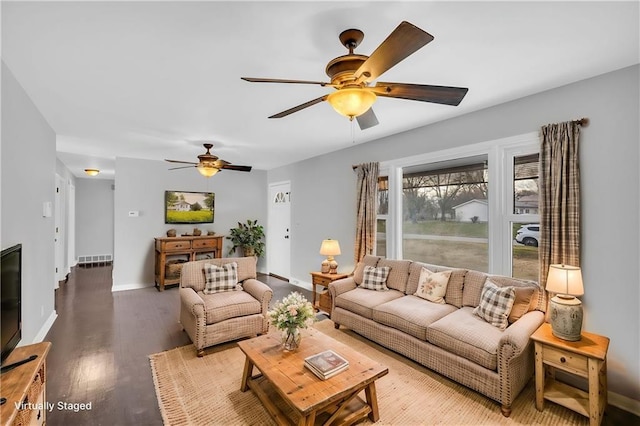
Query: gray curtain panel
x=559 y=197
x=367 y=209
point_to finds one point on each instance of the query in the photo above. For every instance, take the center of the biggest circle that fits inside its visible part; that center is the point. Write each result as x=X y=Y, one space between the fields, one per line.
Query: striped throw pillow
x=221 y=278
x=495 y=304
x=375 y=278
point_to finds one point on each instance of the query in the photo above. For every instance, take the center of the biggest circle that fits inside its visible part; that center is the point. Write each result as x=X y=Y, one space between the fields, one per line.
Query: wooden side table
x=322 y=300
x=585 y=358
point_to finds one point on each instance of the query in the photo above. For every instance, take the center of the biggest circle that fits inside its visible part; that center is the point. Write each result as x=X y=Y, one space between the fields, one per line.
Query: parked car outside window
x=529 y=235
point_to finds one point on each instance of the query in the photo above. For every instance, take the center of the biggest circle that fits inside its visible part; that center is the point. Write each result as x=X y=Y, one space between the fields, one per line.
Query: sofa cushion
x=375 y=278
x=432 y=286
x=465 y=334
x=525 y=301
x=367 y=260
x=398 y=274
x=362 y=301
x=221 y=278
x=192 y=274
x=411 y=314
x=454 y=288
x=473 y=284
x=229 y=304
x=495 y=304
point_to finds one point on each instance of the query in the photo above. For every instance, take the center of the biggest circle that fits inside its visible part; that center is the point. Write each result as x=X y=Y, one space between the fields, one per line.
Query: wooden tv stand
x=25 y=386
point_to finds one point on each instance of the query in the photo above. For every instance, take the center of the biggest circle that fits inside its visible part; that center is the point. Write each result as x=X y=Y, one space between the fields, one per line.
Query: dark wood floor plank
x=101 y=346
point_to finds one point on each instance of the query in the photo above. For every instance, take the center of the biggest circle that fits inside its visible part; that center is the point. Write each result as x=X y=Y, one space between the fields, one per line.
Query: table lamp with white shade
x=565 y=309
x=330 y=248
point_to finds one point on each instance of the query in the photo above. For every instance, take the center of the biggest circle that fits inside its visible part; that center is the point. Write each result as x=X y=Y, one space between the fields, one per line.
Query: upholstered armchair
x=229 y=313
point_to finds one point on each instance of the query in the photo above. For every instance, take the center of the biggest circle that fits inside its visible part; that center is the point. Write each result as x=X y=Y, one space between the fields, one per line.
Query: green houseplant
x=249 y=237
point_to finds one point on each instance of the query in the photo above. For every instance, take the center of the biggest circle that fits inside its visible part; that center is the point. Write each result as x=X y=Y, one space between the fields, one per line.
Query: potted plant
x=249 y=237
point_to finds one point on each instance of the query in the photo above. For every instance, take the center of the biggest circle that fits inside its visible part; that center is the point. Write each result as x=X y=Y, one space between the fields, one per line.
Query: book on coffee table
x=326 y=364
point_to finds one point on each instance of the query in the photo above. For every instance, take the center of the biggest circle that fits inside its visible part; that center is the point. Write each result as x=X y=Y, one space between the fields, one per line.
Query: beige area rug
x=206 y=391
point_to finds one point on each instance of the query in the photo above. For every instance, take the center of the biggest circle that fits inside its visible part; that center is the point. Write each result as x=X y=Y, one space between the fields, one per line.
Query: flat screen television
x=11 y=299
x=189 y=207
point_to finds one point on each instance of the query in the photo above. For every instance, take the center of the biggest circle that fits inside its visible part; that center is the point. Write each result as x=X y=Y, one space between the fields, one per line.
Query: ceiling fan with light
x=352 y=76
x=209 y=164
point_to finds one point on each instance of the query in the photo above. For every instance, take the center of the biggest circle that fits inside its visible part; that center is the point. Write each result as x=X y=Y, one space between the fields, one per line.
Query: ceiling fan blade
x=279 y=80
x=368 y=119
x=183 y=167
x=421 y=92
x=182 y=162
x=237 y=168
x=401 y=43
x=299 y=107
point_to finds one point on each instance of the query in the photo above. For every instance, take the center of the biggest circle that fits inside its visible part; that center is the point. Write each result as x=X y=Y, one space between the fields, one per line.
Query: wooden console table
x=187 y=249
x=24 y=387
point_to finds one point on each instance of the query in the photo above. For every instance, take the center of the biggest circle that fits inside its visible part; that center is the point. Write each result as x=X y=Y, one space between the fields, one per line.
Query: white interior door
x=58 y=221
x=71 y=227
x=278 y=232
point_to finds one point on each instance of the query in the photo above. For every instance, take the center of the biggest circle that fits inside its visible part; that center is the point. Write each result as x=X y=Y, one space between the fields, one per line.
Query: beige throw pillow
x=433 y=285
x=521 y=304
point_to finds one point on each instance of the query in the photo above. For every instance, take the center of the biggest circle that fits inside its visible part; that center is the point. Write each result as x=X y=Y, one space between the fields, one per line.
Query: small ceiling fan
x=352 y=74
x=209 y=164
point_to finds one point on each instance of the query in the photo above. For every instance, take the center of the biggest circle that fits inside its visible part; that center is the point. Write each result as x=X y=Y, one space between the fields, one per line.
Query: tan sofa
x=447 y=338
x=210 y=319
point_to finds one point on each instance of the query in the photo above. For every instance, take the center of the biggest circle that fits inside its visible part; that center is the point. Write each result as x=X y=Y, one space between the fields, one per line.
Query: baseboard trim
x=280 y=277
x=624 y=403
x=45 y=327
x=301 y=284
x=124 y=287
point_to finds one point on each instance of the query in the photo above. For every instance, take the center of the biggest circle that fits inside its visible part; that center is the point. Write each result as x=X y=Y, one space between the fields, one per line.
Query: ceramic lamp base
x=566 y=318
x=324 y=267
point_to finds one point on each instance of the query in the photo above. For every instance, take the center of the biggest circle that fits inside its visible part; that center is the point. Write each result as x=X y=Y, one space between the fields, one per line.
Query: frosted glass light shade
x=92 y=172
x=207 y=171
x=351 y=102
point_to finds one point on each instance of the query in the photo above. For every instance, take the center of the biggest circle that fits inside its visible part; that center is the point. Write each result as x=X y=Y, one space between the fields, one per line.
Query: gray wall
x=140 y=186
x=94 y=216
x=609 y=158
x=28 y=180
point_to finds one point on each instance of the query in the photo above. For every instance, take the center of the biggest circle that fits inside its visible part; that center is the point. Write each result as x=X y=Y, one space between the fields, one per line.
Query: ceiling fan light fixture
x=207 y=171
x=92 y=172
x=351 y=101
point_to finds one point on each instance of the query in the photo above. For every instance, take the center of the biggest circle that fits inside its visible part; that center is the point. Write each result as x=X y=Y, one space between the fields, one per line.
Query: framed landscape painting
x=189 y=207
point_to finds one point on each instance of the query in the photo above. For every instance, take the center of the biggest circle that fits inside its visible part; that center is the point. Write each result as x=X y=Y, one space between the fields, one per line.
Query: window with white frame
x=445 y=213
x=437 y=207
x=382 y=216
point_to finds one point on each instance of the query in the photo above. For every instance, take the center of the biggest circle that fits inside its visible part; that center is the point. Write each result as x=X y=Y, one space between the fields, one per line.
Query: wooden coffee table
x=292 y=394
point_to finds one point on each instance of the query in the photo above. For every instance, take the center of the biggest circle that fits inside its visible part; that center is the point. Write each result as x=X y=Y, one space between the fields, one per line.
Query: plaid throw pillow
x=495 y=304
x=221 y=278
x=375 y=278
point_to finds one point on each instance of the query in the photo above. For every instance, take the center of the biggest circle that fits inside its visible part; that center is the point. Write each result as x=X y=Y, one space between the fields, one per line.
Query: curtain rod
x=584 y=122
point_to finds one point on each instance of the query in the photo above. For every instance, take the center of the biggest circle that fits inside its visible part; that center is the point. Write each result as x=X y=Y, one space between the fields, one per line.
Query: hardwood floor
x=100 y=347
x=101 y=342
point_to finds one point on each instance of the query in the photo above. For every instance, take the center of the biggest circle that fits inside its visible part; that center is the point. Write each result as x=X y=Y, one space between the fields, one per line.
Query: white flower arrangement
x=293 y=312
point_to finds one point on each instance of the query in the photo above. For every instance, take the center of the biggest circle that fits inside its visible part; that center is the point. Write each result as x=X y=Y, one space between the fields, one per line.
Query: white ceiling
x=155 y=80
